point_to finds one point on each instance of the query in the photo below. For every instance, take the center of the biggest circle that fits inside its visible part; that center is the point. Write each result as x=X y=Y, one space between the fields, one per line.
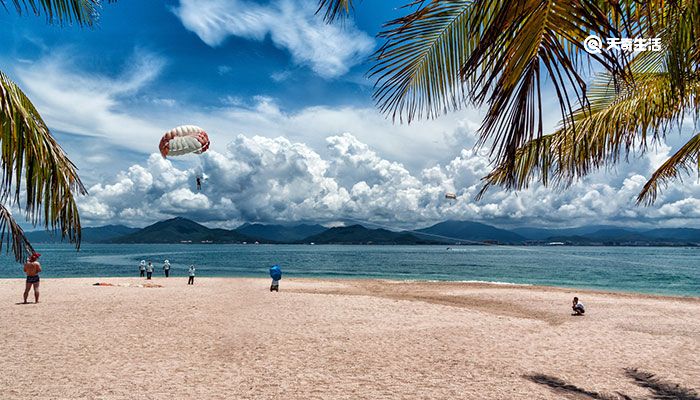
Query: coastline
x=337 y=338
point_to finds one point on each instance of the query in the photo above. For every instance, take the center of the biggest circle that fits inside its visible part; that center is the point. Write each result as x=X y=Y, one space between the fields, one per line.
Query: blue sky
x=295 y=135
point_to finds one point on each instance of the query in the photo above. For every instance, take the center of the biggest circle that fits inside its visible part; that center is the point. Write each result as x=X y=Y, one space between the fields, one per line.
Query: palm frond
x=417 y=69
x=334 y=9
x=80 y=12
x=525 y=43
x=35 y=167
x=685 y=159
x=621 y=119
x=12 y=235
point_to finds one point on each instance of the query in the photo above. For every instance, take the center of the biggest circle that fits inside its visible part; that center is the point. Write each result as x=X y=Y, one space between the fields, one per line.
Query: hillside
x=178 y=230
x=280 y=233
x=90 y=234
x=467 y=231
x=358 y=234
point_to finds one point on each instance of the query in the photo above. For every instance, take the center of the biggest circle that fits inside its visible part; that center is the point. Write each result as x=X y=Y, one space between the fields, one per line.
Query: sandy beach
x=322 y=339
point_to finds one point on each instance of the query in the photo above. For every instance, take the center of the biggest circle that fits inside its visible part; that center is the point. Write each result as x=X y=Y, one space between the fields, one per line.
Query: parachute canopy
x=275 y=272
x=183 y=140
x=452 y=196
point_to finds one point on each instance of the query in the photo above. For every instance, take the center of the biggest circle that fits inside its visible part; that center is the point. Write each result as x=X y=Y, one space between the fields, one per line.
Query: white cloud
x=330 y=50
x=277 y=180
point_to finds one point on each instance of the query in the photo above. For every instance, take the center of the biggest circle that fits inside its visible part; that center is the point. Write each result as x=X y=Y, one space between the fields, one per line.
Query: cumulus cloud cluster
x=330 y=50
x=276 y=180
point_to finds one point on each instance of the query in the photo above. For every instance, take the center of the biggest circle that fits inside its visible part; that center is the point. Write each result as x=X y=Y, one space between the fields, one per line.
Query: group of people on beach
x=146 y=269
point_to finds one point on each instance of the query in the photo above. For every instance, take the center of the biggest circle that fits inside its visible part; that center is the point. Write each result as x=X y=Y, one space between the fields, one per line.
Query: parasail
x=452 y=196
x=183 y=140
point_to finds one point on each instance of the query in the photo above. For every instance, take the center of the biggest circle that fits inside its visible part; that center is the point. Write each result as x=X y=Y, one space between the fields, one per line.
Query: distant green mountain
x=179 y=230
x=280 y=233
x=468 y=231
x=89 y=234
x=547 y=233
x=358 y=234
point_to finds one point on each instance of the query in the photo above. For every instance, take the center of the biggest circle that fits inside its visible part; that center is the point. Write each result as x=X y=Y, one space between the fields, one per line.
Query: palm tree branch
x=334 y=9
x=34 y=168
x=686 y=158
x=81 y=12
x=12 y=235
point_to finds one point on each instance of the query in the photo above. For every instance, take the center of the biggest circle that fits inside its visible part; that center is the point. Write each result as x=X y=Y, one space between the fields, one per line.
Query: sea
x=656 y=270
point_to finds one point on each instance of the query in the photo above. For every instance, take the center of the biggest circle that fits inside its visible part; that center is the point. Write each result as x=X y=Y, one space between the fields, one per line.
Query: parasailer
x=184 y=139
x=451 y=196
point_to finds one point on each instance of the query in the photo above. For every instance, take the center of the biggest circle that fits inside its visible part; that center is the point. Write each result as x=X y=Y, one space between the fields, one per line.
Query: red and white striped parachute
x=183 y=140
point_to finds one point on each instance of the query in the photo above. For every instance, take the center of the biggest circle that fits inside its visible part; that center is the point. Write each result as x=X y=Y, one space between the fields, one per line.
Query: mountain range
x=183 y=230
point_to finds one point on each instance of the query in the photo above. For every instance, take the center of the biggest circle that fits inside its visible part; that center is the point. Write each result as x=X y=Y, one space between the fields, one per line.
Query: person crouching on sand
x=166 y=268
x=190 y=281
x=578 y=307
x=32 y=269
x=142 y=268
x=149 y=270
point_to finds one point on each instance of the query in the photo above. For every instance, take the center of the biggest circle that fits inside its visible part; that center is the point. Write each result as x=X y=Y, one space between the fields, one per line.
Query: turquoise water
x=661 y=270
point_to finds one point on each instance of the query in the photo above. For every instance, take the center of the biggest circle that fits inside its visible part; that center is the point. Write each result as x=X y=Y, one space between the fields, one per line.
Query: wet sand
x=342 y=339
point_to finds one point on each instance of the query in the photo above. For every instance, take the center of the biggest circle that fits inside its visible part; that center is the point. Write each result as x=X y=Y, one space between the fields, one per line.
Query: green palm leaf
x=81 y=12
x=34 y=166
x=333 y=9
x=685 y=159
x=13 y=236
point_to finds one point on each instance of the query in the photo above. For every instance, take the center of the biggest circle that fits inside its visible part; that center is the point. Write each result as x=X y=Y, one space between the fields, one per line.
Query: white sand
x=232 y=338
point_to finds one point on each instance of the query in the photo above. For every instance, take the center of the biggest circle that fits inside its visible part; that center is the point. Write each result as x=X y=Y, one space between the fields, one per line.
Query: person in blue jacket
x=276 y=275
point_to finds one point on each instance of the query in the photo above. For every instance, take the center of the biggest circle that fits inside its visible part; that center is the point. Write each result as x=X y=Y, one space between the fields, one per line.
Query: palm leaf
x=685 y=159
x=13 y=236
x=34 y=167
x=333 y=9
x=417 y=69
x=621 y=119
x=81 y=12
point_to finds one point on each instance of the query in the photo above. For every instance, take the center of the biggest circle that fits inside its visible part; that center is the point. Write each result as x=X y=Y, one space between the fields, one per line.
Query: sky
x=296 y=137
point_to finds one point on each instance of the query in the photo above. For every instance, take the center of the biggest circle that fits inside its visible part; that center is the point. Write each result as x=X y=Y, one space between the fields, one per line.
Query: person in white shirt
x=578 y=307
x=190 y=281
x=149 y=270
x=166 y=268
x=142 y=268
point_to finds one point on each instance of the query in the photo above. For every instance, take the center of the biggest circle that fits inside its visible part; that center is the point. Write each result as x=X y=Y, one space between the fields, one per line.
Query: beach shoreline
x=339 y=338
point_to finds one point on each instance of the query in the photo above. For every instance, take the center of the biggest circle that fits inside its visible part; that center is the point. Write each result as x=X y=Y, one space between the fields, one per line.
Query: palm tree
x=36 y=172
x=445 y=54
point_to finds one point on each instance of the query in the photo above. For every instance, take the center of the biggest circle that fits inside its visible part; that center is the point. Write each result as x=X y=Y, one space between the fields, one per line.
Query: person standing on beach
x=166 y=268
x=190 y=281
x=142 y=268
x=32 y=269
x=149 y=270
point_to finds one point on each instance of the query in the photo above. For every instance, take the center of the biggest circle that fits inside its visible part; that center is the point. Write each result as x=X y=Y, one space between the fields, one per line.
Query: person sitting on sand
x=32 y=269
x=578 y=307
x=190 y=281
x=166 y=268
x=142 y=268
x=149 y=270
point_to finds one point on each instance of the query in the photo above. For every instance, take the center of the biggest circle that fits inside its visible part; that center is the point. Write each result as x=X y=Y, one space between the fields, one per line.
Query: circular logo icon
x=593 y=44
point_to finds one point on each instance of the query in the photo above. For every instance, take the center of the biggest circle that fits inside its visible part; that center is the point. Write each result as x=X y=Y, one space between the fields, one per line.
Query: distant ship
x=555 y=244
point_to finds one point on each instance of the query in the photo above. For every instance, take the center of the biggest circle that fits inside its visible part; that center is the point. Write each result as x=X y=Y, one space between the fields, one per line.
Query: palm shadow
x=660 y=389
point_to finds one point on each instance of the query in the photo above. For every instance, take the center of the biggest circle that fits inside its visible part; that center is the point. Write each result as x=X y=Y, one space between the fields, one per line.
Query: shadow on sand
x=660 y=389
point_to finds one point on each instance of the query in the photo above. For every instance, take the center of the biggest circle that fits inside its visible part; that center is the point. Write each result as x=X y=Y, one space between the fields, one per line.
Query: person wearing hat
x=142 y=268
x=32 y=269
x=166 y=268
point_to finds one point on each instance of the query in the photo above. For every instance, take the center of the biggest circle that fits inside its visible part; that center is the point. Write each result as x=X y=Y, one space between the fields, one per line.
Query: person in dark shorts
x=32 y=269
x=142 y=268
x=166 y=268
x=149 y=270
x=190 y=281
x=578 y=307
